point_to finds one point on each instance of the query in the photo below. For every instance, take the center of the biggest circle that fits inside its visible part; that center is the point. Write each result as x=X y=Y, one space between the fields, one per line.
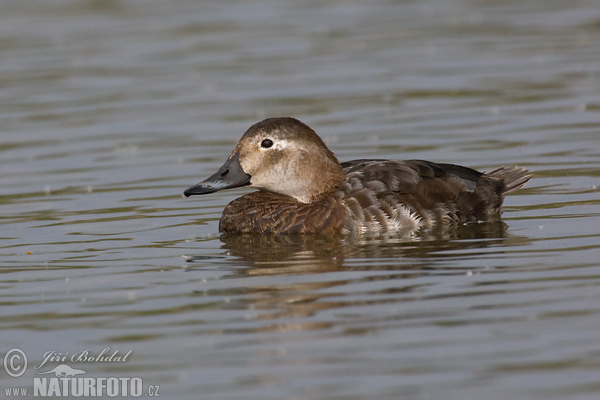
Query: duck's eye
x=265 y=144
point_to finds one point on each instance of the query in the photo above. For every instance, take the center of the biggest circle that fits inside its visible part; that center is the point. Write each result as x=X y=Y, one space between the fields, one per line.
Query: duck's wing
x=411 y=170
x=433 y=191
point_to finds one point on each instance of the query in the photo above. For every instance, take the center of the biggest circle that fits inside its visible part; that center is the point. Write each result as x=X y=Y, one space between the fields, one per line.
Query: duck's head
x=280 y=155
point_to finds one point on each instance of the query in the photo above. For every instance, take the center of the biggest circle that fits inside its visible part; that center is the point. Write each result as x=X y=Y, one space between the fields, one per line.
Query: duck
x=304 y=189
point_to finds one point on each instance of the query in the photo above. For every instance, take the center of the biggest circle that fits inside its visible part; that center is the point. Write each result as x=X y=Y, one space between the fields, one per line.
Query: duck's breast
x=266 y=212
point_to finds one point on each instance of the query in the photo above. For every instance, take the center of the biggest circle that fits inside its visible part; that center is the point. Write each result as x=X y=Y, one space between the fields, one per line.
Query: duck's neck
x=324 y=180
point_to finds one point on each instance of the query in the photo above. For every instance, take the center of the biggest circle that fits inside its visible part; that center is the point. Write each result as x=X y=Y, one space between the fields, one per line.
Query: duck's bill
x=230 y=175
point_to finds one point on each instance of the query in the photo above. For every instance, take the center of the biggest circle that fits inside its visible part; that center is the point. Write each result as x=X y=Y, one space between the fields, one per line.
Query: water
x=110 y=109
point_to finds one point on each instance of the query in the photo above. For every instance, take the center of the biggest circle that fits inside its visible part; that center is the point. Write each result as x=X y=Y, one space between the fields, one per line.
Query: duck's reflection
x=283 y=254
x=291 y=276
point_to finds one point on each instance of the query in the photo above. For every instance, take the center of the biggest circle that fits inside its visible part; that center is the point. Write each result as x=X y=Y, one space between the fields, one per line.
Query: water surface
x=110 y=109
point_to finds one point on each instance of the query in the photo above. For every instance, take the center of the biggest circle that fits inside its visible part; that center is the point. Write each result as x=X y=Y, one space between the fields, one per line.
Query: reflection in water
x=314 y=253
x=320 y=273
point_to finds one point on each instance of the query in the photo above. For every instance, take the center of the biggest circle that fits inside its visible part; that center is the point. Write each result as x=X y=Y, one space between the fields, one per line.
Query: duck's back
x=403 y=196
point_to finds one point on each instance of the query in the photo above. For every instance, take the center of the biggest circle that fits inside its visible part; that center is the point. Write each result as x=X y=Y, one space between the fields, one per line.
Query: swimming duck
x=304 y=189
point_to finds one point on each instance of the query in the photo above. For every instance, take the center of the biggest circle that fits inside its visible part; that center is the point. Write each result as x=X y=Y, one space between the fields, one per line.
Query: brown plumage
x=305 y=190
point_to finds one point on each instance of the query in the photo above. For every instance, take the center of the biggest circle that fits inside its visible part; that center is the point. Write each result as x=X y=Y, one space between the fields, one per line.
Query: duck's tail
x=513 y=178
